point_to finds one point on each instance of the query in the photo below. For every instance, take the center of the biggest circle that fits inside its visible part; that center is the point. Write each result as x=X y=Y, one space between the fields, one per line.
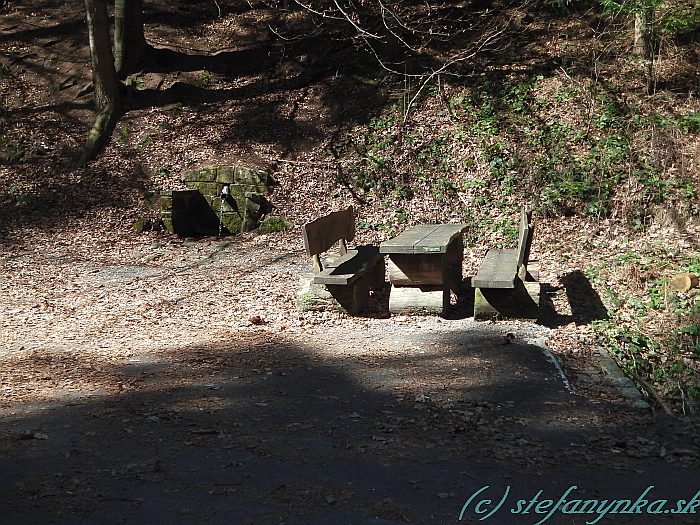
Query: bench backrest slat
x=525 y=238
x=322 y=233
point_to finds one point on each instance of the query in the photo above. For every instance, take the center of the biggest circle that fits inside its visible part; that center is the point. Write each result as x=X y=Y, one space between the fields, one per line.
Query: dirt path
x=177 y=383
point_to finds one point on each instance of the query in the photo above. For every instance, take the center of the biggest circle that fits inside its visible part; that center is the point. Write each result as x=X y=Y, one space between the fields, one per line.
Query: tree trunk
x=644 y=43
x=104 y=79
x=129 y=41
x=640 y=33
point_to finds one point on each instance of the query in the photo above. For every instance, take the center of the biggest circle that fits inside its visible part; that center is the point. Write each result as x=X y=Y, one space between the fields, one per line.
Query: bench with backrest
x=502 y=283
x=349 y=275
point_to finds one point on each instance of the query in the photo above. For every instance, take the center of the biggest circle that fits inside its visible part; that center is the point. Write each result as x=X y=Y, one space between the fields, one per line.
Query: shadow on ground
x=281 y=431
x=585 y=303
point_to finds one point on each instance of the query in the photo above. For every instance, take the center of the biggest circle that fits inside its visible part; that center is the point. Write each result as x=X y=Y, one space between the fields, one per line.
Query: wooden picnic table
x=425 y=263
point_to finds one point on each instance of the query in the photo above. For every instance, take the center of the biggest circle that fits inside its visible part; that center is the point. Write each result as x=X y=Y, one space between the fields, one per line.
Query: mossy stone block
x=166 y=203
x=237 y=191
x=254 y=209
x=167 y=221
x=231 y=221
x=207 y=174
x=226 y=174
x=240 y=190
x=141 y=225
x=207 y=189
x=226 y=205
x=201 y=209
x=186 y=212
x=258 y=178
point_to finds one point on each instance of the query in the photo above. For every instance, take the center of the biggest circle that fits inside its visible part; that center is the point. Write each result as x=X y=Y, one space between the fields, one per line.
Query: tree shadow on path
x=279 y=430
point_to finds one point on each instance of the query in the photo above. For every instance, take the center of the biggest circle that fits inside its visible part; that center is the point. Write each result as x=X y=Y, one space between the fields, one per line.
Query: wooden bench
x=348 y=276
x=504 y=287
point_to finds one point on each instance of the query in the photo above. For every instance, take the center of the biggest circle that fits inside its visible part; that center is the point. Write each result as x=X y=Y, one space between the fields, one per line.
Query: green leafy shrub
x=691 y=122
x=661 y=341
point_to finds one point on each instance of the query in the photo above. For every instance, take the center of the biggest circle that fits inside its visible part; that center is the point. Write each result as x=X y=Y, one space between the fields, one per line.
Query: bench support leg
x=521 y=302
x=377 y=275
x=352 y=299
x=359 y=295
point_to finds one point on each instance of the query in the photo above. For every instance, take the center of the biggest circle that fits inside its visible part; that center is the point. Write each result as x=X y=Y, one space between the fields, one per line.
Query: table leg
x=421 y=282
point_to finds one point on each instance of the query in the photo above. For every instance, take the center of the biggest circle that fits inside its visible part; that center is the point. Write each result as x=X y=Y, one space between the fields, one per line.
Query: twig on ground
x=653 y=393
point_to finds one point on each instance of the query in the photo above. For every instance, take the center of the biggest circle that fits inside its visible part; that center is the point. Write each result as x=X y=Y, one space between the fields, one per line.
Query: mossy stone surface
x=253 y=177
x=166 y=201
x=226 y=174
x=257 y=179
x=208 y=189
x=167 y=221
x=202 y=208
x=207 y=174
x=232 y=222
x=226 y=205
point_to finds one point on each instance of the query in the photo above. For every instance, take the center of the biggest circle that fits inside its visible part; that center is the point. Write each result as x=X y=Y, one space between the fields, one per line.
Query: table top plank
x=405 y=242
x=440 y=239
x=424 y=238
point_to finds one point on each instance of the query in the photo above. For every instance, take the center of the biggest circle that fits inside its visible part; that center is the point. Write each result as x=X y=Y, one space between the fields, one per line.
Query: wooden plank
x=498 y=270
x=439 y=239
x=524 y=238
x=342 y=279
x=453 y=278
x=337 y=260
x=405 y=242
x=455 y=252
x=424 y=238
x=321 y=234
x=376 y=275
x=521 y=302
x=364 y=260
x=365 y=252
x=408 y=269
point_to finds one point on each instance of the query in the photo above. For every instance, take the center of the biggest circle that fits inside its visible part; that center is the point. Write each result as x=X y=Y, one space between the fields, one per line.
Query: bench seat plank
x=499 y=269
x=349 y=267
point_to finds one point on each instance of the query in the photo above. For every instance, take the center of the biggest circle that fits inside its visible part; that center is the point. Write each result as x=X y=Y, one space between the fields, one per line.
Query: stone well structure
x=227 y=198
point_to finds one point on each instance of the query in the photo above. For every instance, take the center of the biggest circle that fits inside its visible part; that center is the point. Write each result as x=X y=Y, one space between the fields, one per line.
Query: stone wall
x=231 y=195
